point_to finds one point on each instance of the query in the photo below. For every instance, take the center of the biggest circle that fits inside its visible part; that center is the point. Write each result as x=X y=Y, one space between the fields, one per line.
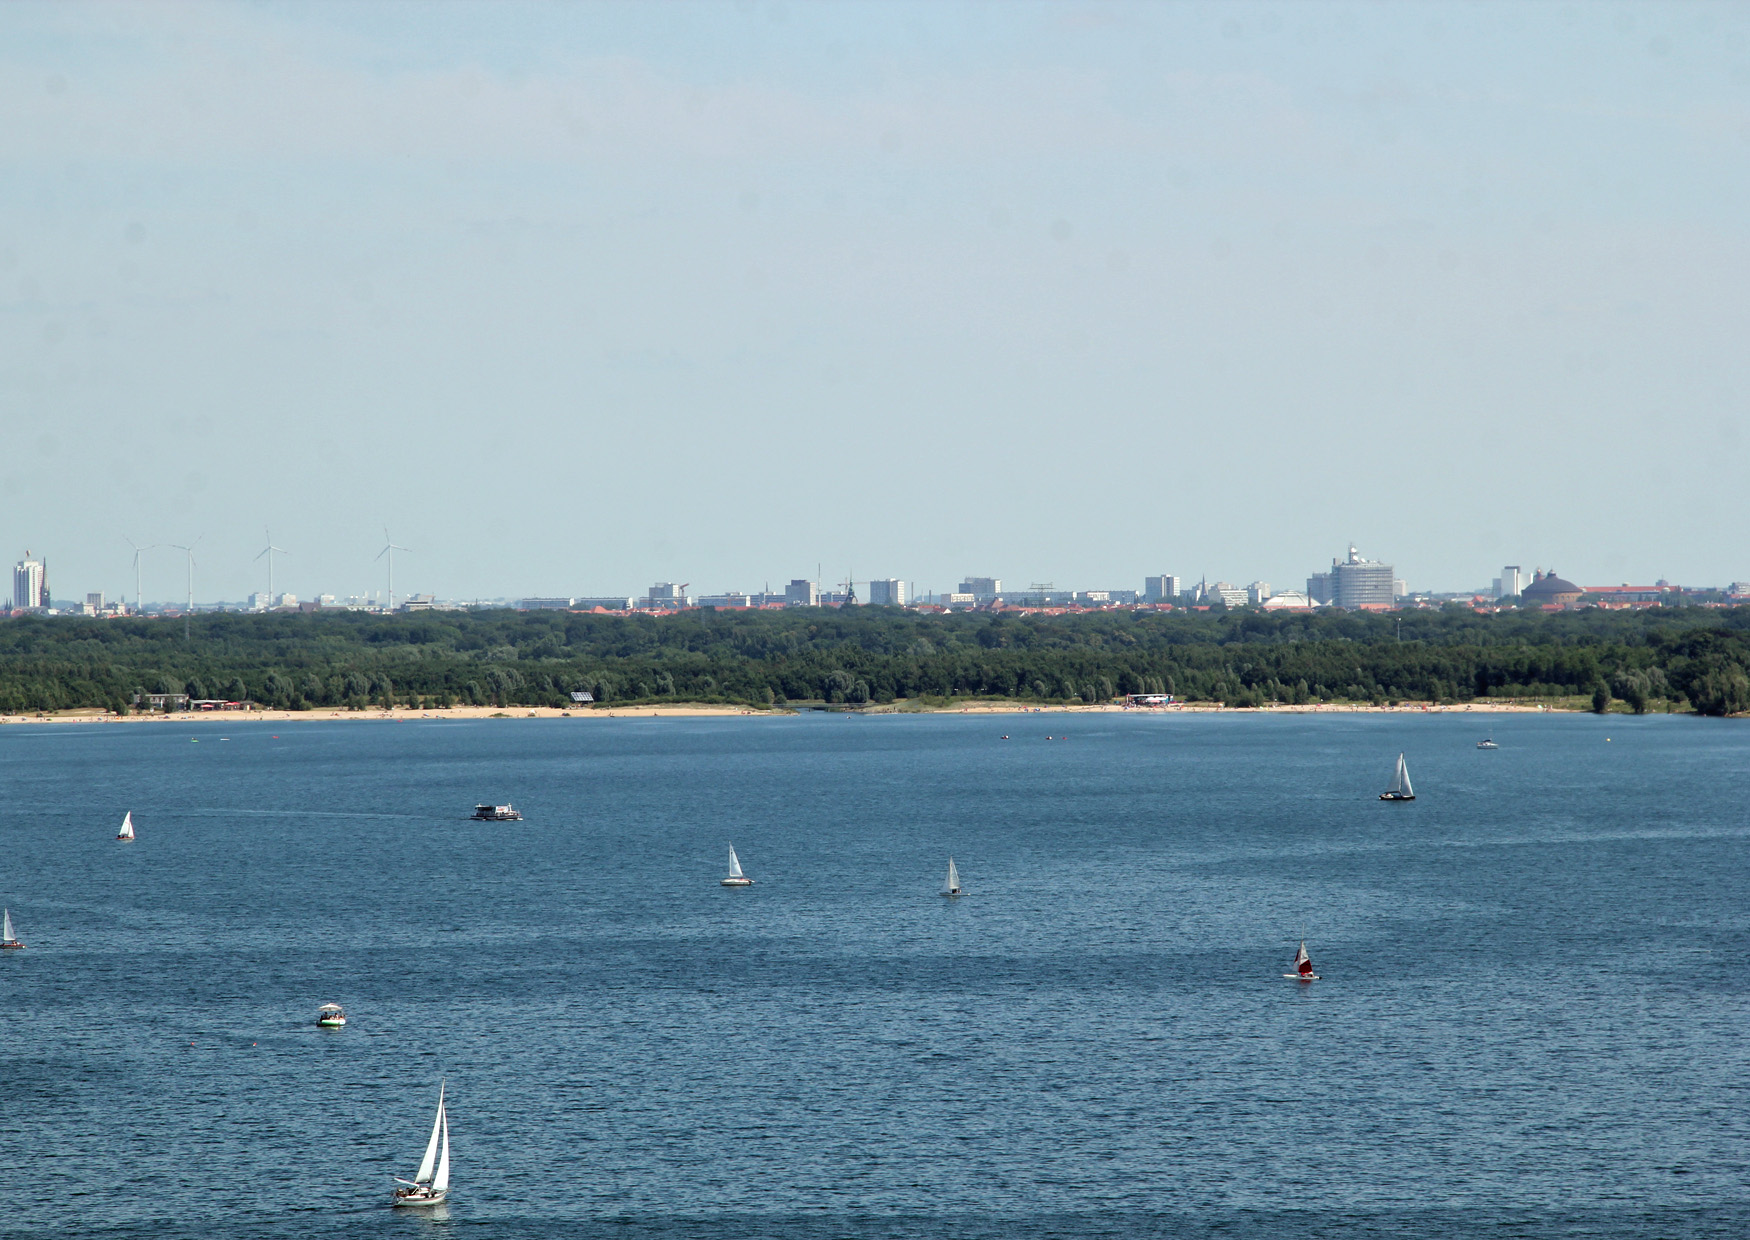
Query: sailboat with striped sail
x=431 y=1183
x=1303 y=969
x=951 y=884
x=7 y=938
x=127 y=831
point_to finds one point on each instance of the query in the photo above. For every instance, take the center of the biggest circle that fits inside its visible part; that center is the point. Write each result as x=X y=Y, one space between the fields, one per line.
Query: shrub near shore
x=1693 y=658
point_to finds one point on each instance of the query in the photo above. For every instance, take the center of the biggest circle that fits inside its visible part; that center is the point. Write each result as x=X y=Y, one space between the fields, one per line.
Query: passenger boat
x=735 y=878
x=1485 y=743
x=496 y=813
x=1303 y=970
x=951 y=884
x=431 y=1183
x=1400 y=789
x=127 y=831
x=8 y=940
x=330 y=1016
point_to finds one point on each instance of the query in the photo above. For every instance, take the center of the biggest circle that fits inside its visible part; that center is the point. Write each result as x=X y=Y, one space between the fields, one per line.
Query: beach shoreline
x=404 y=714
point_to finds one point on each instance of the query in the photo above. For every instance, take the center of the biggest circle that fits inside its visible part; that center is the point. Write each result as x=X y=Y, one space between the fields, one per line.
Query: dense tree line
x=1696 y=658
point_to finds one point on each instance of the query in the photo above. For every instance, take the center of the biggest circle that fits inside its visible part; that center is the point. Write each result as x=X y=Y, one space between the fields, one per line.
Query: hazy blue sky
x=577 y=297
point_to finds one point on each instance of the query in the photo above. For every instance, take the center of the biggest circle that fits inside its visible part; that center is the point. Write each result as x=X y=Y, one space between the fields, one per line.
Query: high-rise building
x=984 y=589
x=802 y=593
x=1162 y=589
x=1513 y=582
x=888 y=592
x=1356 y=582
x=1257 y=592
x=30 y=583
x=665 y=594
x=1318 y=589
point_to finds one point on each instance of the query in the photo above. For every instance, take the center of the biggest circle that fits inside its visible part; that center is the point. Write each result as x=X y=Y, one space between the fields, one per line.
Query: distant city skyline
x=580 y=297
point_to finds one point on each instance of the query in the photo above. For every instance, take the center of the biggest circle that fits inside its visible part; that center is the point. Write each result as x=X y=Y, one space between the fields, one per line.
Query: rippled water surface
x=1532 y=1019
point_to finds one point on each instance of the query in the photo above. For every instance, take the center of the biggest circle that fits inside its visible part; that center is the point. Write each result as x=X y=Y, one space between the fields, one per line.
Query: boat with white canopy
x=331 y=1016
x=735 y=878
x=127 y=831
x=431 y=1183
x=7 y=938
x=1303 y=970
x=1400 y=789
x=951 y=884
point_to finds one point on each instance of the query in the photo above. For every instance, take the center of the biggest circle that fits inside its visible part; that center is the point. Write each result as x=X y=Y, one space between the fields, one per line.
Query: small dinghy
x=951 y=884
x=735 y=878
x=1303 y=970
x=431 y=1183
x=127 y=831
x=331 y=1016
x=8 y=940
x=1400 y=789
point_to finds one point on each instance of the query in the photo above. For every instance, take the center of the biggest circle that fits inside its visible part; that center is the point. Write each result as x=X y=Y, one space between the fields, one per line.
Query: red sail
x=1305 y=967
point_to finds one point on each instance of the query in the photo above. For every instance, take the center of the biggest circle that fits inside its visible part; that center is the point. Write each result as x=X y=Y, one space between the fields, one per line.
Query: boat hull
x=419 y=1197
x=954 y=892
x=13 y=946
x=1303 y=977
x=1397 y=796
x=737 y=882
x=332 y=1024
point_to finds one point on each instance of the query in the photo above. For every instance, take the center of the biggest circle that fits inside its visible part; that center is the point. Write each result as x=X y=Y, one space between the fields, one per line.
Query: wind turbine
x=389 y=549
x=188 y=551
x=268 y=552
x=138 y=551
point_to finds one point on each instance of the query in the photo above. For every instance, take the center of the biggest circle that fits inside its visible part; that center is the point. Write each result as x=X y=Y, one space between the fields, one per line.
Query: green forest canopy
x=1700 y=656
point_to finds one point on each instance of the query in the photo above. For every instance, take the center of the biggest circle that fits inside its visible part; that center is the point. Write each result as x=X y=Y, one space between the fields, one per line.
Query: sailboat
x=431 y=1183
x=951 y=884
x=127 y=831
x=735 y=878
x=1400 y=789
x=1303 y=971
x=7 y=939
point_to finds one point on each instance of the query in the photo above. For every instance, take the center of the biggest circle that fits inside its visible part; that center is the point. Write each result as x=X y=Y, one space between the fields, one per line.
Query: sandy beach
x=701 y=711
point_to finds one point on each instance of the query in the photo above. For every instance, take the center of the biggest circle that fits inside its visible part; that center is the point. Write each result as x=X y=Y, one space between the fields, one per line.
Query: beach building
x=887 y=592
x=1162 y=589
x=30 y=584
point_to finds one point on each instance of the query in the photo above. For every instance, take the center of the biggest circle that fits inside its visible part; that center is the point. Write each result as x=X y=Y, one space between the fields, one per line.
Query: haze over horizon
x=577 y=298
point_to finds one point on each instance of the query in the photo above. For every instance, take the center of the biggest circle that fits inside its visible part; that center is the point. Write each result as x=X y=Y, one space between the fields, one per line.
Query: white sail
x=951 y=884
x=441 y=1181
x=6 y=929
x=423 y=1175
x=1301 y=959
x=127 y=831
x=1402 y=782
x=734 y=864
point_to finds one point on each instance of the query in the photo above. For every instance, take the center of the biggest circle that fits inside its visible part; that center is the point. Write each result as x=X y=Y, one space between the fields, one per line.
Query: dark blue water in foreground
x=1532 y=1021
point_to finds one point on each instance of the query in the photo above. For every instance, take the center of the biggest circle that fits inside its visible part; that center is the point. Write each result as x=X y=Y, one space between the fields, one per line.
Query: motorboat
x=431 y=1183
x=8 y=940
x=951 y=884
x=331 y=1016
x=1303 y=970
x=1400 y=789
x=1485 y=743
x=496 y=813
x=735 y=878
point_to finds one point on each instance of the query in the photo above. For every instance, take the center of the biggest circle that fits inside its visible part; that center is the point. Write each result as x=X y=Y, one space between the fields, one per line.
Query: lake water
x=1532 y=1019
